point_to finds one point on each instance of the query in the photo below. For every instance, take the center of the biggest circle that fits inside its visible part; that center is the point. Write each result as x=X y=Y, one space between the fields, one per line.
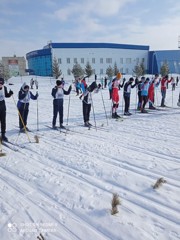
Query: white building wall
x=88 y=54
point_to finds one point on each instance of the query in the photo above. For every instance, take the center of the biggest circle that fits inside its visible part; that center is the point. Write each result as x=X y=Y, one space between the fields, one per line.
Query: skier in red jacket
x=164 y=82
x=151 y=92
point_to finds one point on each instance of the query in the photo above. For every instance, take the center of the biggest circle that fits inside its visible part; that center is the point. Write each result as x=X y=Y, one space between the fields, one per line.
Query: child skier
x=139 y=84
x=24 y=97
x=164 y=83
x=87 y=101
x=144 y=94
x=127 y=93
x=151 y=94
x=115 y=95
x=58 y=93
x=3 y=94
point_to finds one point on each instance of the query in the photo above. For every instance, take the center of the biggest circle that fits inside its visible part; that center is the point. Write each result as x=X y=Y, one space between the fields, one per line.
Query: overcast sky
x=27 y=25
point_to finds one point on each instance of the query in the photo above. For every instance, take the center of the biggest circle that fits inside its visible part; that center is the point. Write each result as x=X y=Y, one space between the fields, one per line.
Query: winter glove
x=99 y=86
x=136 y=81
x=70 y=87
x=11 y=92
x=124 y=80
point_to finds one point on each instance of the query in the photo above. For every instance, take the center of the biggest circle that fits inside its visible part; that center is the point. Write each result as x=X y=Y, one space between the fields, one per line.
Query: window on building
x=69 y=71
x=127 y=70
x=93 y=60
x=75 y=60
x=143 y=60
x=68 y=60
x=101 y=71
x=59 y=61
x=121 y=70
x=121 y=60
x=101 y=60
x=82 y=60
x=137 y=60
x=128 y=60
x=108 y=60
x=94 y=71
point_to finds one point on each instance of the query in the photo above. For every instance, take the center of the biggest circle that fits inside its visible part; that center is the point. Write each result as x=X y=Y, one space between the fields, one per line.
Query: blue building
x=40 y=62
x=158 y=58
x=101 y=56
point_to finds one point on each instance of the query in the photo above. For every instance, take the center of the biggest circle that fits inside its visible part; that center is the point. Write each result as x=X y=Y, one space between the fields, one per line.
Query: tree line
x=78 y=71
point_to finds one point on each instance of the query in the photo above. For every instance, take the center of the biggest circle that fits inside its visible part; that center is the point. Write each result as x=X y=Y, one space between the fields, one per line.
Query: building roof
x=96 y=45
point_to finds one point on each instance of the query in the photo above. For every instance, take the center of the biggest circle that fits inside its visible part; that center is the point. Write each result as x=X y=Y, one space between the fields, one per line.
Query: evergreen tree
x=164 y=69
x=77 y=70
x=143 y=69
x=56 y=71
x=4 y=72
x=116 y=70
x=110 y=72
x=139 y=70
x=88 y=69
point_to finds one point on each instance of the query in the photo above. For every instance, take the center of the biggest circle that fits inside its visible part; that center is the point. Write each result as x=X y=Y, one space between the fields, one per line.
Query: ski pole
x=104 y=107
x=156 y=96
x=111 y=109
x=68 y=110
x=136 y=99
x=93 y=112
x=122 y=102
x=21 y=119
x=37 y=113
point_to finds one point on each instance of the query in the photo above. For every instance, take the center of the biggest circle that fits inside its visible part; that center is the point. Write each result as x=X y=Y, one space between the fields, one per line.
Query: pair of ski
x=10 y=145
x=61 y=130
x=101 y=127
x=118 y=119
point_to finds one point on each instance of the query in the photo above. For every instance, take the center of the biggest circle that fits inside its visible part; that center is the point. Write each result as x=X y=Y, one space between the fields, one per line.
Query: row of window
x=102 y=71
x=102 y=60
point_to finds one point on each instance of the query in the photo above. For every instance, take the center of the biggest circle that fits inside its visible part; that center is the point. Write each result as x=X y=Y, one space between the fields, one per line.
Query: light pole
x=153 y=63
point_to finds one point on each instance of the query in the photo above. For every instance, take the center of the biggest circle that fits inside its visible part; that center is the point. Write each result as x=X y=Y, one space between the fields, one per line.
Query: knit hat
x=26 y=86
x=2 y=81
x=118 y=76
x=58 y=82
x=131 y=79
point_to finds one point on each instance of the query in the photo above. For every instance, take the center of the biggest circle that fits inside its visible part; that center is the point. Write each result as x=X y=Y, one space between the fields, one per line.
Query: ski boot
x=4 y=138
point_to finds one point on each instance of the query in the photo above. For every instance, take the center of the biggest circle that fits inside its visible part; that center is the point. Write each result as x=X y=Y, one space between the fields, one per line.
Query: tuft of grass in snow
x=36 y=139
x=114 y=203
x=2 y=154
x=159 y=183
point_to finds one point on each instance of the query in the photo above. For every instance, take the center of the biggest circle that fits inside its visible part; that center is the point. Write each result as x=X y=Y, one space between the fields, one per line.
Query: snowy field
x=62 y=187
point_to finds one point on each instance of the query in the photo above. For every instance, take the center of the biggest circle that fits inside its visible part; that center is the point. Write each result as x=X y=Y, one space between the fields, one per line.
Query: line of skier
x=145 y=92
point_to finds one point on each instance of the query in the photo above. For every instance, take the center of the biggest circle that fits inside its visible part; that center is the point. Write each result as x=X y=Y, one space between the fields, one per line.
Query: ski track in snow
x=68 y=179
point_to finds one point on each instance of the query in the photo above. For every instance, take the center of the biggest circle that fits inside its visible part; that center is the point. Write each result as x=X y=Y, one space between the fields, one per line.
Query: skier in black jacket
x=24 y=97
x=58 y=93
x=3 y=94
x=87 y=101
x=127 y=93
